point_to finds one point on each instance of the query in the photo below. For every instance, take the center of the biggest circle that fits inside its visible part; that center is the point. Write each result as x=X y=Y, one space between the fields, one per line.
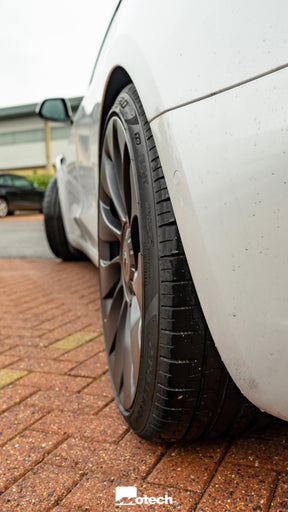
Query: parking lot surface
x=63 y=444
x=22 y=235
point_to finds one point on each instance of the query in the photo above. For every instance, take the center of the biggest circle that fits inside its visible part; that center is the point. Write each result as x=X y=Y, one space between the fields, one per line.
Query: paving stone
x=132 y=458
x=43 y=365
x=101 y=386
x=95 y=493
x=45 y=315
x=65 y=509
x=6 y=360
x=183 y=501
x=65 y=330
x=84 y=352
x=48 y=310
x=14 y=330
x=7 y=376
x=189 y=467
x=280 y=499
x=26 y=341
x=83 y=404
x=111 y=423
x=93 y=367
x=259 y=453
x=84 y=455
x=58 y=321
x=107 y=426
x=74 y=341
x=24 y=452
x=3 y=346
x=67 y=383
x=13 y=394
x=39 y=490
x=16 y=420
x=136 y=457
x=37 y=352
x=238 y=488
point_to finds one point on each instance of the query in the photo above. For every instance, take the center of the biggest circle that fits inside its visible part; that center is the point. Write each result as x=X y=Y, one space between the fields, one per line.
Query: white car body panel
x=228 y=182
x=176 y=53
x=222 y=145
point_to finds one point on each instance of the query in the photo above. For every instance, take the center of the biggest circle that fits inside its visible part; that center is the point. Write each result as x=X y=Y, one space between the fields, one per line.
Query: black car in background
x=18 y=193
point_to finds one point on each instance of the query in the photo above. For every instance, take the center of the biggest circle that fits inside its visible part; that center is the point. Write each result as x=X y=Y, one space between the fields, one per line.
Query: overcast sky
x=49 y=48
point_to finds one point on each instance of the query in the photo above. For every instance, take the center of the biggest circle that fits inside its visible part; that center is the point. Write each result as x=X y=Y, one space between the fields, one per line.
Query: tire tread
x=193 y=366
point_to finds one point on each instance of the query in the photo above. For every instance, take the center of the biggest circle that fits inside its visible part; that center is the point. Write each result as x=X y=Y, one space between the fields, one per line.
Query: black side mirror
x=55 y=109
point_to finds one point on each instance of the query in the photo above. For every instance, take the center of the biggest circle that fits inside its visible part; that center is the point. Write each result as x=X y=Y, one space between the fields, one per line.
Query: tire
x=4 y=210
x=54 y=227
x=168 y=379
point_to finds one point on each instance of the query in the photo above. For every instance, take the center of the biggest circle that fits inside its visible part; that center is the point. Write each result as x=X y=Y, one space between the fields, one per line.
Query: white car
x=175 y=183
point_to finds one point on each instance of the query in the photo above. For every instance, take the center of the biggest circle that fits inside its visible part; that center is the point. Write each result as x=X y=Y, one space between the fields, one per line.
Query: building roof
x=30 y=109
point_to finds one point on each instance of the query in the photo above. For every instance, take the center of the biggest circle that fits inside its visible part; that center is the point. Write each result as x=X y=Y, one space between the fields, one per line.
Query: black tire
x=54 y=227
x=168 y=379
x=4 y=209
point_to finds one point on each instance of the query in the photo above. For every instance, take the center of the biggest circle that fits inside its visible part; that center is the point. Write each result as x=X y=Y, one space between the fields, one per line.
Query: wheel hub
x=127 y=262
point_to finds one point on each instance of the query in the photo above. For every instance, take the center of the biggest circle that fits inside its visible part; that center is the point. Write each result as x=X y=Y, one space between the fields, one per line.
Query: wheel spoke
x=138 y=282
x=112 y=187
x=129 y=346
x=110 y=275
x=112 y=320
x=109 y=226
x=127 y=394
x=135 y=330
x=118 y=357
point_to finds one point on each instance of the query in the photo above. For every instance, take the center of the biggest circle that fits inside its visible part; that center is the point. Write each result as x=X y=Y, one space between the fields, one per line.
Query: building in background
x=29 y=144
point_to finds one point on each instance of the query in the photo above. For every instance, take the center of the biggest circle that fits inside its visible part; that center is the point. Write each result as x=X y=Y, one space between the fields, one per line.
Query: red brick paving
x=191 y=466
x=63 y=443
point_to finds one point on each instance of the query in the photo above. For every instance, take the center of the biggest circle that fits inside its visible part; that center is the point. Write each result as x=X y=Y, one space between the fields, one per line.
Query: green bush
x=41 y=180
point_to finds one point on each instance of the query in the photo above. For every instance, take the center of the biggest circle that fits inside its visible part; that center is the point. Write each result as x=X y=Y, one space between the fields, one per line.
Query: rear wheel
x=3 y=207
x=54 y=226
x=168 y=378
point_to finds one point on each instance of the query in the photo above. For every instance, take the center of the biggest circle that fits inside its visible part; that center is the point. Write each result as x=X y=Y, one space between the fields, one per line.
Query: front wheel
x=54 y=227
x=168 y=379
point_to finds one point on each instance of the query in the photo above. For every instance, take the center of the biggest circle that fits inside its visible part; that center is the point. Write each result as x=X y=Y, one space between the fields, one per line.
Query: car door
x=79 y=195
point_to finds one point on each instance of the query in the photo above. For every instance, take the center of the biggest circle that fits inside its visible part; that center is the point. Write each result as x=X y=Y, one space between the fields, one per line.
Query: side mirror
x=55 y=109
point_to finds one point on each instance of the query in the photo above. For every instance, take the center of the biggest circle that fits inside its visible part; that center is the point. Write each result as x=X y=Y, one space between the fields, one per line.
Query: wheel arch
x=118 y=79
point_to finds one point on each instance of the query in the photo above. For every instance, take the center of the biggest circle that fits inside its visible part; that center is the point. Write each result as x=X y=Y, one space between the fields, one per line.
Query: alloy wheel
x=3 y=208
x=120 y=262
